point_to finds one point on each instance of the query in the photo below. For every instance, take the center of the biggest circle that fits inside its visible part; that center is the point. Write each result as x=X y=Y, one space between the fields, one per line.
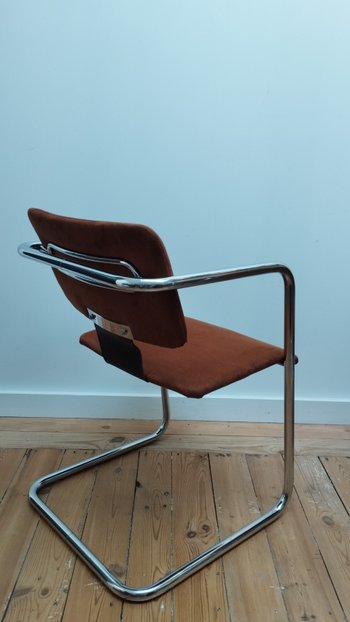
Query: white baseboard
x=212 y=408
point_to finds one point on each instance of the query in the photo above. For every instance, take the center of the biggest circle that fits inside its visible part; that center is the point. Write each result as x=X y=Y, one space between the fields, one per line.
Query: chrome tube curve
x=93 y=258
x=37 y=252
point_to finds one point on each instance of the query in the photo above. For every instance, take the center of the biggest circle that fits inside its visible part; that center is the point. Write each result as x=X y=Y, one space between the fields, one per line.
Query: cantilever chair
x=119 y=276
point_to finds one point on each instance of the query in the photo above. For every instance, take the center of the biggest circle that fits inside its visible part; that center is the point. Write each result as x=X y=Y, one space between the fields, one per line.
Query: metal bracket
x=113 y=327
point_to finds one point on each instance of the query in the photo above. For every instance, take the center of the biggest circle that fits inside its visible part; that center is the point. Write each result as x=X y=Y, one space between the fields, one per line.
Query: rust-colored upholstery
x=212 y=358
x=169 y=350
x=156 y=318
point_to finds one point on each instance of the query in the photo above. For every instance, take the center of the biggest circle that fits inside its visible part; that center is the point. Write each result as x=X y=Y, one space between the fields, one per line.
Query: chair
x=119 y=276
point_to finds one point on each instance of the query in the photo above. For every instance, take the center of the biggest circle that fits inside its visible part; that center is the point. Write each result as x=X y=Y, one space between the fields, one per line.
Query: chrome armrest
x=100 y=278
x=38 y=252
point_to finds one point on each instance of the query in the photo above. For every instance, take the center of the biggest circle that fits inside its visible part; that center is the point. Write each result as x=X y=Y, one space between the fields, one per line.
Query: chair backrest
x=155 y=318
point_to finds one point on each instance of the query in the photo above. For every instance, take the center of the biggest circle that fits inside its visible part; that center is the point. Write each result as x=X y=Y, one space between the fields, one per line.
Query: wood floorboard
x=329 y=521
x=251 y=564
x=203 y=596
x=150 y=550
x=149 y=511
x=106 y=532
x=304 y=580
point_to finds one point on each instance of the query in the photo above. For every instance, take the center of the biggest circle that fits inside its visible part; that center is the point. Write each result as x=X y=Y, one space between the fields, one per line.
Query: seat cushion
x=212 y=357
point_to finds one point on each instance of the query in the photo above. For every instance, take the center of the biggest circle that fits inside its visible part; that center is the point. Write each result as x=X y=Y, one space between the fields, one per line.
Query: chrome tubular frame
x=136 y=284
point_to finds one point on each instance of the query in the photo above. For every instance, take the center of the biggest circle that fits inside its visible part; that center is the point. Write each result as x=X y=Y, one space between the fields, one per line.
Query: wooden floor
x=147 y=512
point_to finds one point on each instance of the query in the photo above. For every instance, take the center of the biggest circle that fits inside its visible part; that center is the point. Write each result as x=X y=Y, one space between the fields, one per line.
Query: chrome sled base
x=141 y=594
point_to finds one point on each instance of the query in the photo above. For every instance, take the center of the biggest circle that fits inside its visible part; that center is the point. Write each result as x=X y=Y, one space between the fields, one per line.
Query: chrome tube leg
x=107 y=455
x=61 y=474
x=140 y=594
x=289 y=324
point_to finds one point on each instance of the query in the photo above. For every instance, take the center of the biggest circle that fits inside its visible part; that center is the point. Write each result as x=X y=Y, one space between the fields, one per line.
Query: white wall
x=226 y=127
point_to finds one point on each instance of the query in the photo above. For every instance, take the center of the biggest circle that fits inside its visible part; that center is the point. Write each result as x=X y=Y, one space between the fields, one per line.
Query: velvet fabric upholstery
x=212 y=357
x=186 y=355
x=155 y=318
